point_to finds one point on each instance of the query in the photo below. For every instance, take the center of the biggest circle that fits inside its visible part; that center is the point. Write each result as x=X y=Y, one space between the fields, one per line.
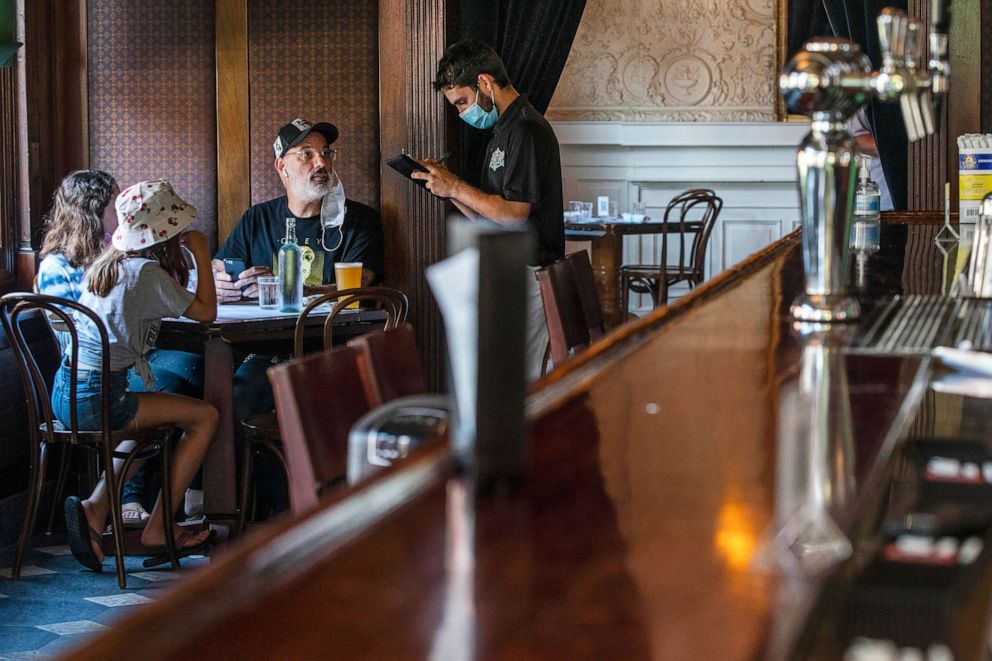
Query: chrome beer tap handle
x=829 y=80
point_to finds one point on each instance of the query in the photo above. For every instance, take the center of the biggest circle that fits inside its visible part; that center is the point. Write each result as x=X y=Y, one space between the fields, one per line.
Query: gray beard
x=308 y=190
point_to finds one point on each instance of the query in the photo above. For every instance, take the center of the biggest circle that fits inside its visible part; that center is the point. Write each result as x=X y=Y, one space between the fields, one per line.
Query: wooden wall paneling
x=8 y=175
x=306 y=60
x=50 y=116
x=35 y=28
x=964 y=113
x=152 y=96
x=233 y=152
x=933 y=161
x=926 y=165
x=986 y=64
x=71 y=139
x=412 y=117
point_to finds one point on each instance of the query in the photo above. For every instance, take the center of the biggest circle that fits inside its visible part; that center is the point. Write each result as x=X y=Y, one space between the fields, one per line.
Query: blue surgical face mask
x=476 y=117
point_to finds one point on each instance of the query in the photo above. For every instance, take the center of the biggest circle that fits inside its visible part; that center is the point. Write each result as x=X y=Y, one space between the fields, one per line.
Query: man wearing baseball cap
x=329 y=229
x=343 y=231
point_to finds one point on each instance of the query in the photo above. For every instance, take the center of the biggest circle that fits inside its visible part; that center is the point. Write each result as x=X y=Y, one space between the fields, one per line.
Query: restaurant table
x=649 y=524
x=243 y=328
x=606 y=236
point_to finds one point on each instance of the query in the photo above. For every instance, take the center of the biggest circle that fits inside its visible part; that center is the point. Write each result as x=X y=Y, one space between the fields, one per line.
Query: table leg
x=219 y=479
x=607 y=256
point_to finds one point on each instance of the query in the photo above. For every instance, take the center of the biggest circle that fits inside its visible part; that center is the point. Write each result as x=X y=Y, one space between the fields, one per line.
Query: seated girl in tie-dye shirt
x=80 y=217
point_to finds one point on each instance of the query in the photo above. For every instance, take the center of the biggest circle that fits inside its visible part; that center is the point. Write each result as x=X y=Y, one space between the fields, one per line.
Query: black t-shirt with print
x=260 y=232
x=522 y=164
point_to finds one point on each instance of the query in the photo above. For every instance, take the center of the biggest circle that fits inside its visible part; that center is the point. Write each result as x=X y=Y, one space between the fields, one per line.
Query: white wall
x=751 y=166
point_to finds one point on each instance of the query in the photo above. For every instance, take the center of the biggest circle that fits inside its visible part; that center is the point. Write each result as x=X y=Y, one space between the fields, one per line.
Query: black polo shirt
x=522 y=164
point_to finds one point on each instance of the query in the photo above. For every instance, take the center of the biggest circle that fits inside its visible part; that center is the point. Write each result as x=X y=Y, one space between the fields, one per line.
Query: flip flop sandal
x=134 y=515
x=81 y=535
x=161 y=556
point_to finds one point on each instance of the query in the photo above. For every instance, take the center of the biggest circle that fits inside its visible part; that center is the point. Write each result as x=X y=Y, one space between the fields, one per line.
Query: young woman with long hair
x=137 y=281
x=77 y=228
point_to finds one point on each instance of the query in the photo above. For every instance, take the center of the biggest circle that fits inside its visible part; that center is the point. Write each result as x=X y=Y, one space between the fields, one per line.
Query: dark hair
x=464 y=61
x=103 y=275
x=74 y=223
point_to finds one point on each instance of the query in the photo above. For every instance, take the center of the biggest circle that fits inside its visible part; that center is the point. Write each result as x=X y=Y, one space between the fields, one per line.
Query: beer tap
x=829 y=80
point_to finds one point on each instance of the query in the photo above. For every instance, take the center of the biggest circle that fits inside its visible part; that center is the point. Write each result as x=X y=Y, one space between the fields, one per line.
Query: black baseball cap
x=293 y=133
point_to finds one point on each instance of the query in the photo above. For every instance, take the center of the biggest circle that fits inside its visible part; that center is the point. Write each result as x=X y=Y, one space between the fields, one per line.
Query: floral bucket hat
x=149 y=213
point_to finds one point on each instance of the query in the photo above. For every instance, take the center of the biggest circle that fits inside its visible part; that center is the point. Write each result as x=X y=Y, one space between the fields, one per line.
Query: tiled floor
x=58 y=603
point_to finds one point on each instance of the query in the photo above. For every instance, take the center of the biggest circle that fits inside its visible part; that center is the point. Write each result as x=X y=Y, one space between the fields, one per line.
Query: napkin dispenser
x=390 y=432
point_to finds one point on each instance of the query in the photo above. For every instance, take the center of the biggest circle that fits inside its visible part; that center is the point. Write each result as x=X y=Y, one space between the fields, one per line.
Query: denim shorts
x=123 y=403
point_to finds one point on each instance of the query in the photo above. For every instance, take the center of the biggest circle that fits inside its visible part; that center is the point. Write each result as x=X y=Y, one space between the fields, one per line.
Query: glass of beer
x=348 y=275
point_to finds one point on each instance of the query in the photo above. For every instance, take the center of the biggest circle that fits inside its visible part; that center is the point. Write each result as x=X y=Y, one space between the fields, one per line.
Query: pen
x=443 y=157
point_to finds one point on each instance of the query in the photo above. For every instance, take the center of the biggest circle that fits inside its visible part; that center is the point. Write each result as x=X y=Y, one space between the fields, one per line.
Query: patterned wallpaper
x=670 y=60
x=308 y=61
x=152 y=96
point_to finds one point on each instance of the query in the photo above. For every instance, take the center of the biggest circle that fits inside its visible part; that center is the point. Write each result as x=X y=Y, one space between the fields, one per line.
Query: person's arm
x=245 y=284
x=470 y=200
x=55 y=278
x=204 y=305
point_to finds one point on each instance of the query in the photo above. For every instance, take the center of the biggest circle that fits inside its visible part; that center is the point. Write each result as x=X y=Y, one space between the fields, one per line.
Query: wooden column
x=934 y=160
x=52 y=128
x=233 y=157
x=412 y=117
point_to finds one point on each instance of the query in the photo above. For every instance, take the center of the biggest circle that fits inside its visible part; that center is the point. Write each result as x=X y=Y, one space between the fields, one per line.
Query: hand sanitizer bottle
x=867 y=206
x=290 y=271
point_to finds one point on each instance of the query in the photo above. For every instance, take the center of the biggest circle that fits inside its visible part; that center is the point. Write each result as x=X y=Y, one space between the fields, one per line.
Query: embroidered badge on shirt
x=498 y=159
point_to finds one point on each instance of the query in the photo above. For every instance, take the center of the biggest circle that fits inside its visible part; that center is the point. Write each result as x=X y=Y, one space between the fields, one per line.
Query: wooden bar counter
x=646 y=529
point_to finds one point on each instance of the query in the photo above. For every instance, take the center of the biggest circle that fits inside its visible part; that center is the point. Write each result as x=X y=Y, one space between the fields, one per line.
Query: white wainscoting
x=750 y=165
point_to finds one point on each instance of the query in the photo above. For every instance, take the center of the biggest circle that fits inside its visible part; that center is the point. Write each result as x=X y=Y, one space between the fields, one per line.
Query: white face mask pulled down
x=332 y=213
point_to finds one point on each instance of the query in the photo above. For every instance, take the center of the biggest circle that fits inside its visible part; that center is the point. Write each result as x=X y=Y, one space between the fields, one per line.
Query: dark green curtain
x=533 y=38
x=856 y=20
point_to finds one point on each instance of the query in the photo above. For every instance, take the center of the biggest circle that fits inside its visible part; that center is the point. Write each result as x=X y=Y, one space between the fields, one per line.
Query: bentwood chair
x=389 y=364
x=571 y=306
x=17 y=310
x=585 y=283
x=261 y=431
x=691 y=216
x=393 y=301
x=318 y=399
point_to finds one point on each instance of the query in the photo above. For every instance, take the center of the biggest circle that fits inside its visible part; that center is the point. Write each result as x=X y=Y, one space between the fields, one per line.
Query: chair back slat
x=585 y=282
x=389 y=364
x=36 y=384
x=318 y=399
x=695 y=211
x=567 y=329
x=393 y=301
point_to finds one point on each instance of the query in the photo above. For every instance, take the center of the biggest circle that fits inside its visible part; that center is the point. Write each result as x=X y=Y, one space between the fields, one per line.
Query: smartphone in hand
x=233 y=266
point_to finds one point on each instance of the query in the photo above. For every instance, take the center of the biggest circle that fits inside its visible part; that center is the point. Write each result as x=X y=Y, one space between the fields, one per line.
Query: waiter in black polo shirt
x=521 y=178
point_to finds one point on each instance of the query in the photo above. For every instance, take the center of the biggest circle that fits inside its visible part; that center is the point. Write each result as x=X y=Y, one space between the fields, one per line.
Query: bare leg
x=97 y=506
x=198 y=420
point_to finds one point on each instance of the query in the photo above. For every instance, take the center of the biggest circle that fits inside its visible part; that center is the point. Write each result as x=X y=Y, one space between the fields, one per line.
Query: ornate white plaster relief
x=671 y=60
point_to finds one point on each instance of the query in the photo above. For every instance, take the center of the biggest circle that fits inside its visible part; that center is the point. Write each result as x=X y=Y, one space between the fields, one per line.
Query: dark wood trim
x=986 y=65
x=71 y=139
x=963 y=113
x=933 y=161
x=411 y=41
x=9 y=171
x=24 y=270
x=233 y=150
x=52 y=125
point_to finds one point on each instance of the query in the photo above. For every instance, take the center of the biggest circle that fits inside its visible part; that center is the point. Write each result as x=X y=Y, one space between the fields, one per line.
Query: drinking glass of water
x=268 y=292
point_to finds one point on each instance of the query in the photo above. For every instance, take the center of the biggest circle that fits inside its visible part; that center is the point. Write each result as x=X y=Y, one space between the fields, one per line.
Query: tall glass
x=348 y=275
